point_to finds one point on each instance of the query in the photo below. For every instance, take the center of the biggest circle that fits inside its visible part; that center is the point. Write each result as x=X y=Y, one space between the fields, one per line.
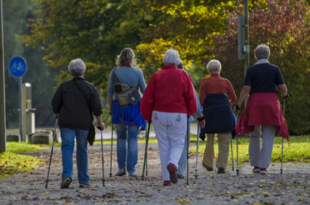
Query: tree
x=283 y=26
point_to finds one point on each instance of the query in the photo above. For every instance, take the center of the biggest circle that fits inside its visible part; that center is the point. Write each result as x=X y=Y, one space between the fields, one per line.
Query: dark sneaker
x=256 y=169
x=173 y=173
x=167 y=183
x=221 y=171
x=180 y=176
x=131 y=174
x=84 y=185
x=263 y=171
x=209 y=169
x=65 y=183
x=121 y=172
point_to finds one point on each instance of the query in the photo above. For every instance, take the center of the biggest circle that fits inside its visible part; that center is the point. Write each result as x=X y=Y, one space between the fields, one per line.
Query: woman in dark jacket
x=216 y=96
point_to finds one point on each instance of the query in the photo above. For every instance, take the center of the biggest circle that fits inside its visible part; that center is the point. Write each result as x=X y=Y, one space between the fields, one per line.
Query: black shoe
x=180 y=176
x=221 y=171
x=209 y=169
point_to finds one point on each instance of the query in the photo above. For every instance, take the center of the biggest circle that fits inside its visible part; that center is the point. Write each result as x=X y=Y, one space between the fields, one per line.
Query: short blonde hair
x=125 y=58
x=214 y=66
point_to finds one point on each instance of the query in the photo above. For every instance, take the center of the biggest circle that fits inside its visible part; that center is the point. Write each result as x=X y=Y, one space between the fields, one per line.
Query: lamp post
x=2 y=88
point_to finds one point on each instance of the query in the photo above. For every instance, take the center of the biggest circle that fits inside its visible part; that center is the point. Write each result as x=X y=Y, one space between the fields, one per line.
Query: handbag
x=125 y=94
x=91 y=133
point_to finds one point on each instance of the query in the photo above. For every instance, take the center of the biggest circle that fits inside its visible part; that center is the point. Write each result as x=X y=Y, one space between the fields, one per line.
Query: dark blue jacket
x=218 y=114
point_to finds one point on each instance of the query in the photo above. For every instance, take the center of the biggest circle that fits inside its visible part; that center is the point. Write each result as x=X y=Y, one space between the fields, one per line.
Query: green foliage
x=283 y=26
x=200 y=30
x=41 y=77
x=294 y=151
x=11 y=162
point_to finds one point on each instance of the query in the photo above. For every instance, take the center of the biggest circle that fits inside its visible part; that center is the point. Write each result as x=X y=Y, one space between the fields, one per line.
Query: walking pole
x=187 y=157
x=232 y=153
x=102 y=159
x=237 y=148
x=146 y=172
x=147 y=131
x=197 y=149
x=111 y=149
x=49 y=166
x=281 y=171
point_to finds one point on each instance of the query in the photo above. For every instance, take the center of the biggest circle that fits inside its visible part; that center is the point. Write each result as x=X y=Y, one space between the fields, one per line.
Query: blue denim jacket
x=199 y=109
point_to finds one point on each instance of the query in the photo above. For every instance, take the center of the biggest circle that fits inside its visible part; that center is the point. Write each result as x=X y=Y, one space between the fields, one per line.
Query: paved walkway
x=292 y=187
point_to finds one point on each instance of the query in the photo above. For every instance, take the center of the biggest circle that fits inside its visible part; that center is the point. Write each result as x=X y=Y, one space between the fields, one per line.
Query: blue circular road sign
x=17 y=66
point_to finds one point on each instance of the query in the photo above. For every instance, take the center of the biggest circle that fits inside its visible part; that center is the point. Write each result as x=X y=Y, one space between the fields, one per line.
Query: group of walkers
x=170 y=103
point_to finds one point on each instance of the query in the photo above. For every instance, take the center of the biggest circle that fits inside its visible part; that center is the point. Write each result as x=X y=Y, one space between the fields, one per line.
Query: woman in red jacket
x=168 y=101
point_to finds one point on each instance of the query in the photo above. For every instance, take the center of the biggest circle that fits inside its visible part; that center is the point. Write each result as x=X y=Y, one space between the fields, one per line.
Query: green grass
x=297 y=150
x=12 y=162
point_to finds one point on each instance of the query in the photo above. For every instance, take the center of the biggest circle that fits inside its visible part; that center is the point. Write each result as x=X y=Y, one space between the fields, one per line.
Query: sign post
x=2 y=88
x=18 y=68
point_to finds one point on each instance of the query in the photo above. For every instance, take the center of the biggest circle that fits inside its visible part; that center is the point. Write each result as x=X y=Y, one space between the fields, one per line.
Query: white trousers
x=261 y=156
x=170 y=129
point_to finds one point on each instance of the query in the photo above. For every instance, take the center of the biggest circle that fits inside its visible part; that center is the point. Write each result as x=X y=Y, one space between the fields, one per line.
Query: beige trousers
x=223 y=144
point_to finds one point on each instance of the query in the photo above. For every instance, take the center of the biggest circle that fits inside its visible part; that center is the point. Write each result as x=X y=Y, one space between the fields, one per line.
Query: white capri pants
x=170 y=129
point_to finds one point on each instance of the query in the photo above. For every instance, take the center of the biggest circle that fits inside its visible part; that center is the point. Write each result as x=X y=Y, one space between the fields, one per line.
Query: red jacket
x=169 y=90
x=262 y=109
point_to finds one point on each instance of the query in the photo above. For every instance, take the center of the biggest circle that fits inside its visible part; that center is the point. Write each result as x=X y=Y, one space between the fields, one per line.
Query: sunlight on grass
x=297 y=150
x=22 y=147
x=11 y=163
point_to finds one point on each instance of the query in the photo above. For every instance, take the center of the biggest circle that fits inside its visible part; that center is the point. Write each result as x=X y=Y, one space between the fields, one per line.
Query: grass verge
x=297 y=150
x=12 y=161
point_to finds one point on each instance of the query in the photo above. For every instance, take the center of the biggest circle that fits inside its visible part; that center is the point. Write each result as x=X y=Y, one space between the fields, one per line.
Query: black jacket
x=74 y=100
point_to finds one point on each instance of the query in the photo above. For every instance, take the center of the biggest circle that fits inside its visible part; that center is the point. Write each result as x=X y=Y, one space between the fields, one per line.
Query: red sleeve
x=231 y=93
x=202 y=93
x=190 y=96
x=147 y=101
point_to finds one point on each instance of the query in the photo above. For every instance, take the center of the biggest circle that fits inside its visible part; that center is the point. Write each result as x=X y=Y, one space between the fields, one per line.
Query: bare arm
x=110 y=104
x=283 y=90
x=244 y=92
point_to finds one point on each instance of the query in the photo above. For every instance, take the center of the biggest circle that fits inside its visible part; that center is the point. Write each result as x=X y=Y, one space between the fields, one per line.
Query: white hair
x=77 y=67
x=261 y=52
x=172 y=57
x=214 y=66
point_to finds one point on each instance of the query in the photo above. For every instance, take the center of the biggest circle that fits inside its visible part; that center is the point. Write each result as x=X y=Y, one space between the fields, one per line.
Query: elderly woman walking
x=126 y=79
x=216 y=96
x=263 y=112
x=168 y=101
x=74 y=103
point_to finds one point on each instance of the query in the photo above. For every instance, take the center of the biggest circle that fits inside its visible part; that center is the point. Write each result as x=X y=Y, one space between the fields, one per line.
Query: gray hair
x=261 y=52
x=214 y=66
x=172 y=57
x=77 y=67
x=125 y=58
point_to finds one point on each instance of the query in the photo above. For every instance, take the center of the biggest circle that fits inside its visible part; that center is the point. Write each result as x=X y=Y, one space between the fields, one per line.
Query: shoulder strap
x=115 y=78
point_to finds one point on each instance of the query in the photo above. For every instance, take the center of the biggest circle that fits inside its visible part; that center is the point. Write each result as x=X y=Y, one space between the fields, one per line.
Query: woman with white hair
x=168 y=101
x=126 y=115
x=216 y=96
x=74 y=103
x=263 y=112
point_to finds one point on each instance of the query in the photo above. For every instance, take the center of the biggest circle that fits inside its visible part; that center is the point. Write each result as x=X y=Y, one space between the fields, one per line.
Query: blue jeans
x=67 y=147
x=132 y=139
x=183 y=158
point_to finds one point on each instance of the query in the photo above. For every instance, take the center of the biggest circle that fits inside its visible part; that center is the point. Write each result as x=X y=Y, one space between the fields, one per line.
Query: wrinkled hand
x=101 y=125
x=237 y=108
